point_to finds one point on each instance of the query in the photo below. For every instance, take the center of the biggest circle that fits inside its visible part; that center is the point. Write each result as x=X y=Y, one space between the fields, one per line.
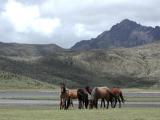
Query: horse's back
x=72 y=93
x=116 y=91
x=100 y=92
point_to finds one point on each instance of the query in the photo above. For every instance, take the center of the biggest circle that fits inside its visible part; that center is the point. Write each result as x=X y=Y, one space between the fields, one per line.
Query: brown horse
x=100 y=93
x=118 y=96
x=89 y=90
x=66 y=96
x=117 y=93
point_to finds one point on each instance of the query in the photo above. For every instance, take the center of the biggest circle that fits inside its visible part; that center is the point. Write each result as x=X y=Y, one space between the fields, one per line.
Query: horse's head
x=88 y=89
x=63 y=88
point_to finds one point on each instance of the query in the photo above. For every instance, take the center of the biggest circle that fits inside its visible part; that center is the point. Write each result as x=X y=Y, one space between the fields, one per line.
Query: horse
x=82 y=98
x=89 y=90
x=66 y=96
x=100 y=93
x=118 y=96
x=117 y=93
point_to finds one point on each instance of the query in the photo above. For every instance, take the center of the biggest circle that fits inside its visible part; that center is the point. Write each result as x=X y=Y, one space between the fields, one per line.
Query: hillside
x=122 y=67
x=13 y=81
x=127 y=33
x=28 y=50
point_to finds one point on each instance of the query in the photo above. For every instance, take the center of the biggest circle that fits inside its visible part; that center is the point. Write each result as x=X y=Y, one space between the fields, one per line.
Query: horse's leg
x=115 y=102
x=79 y=104
x=60 y=104
x=101 y=103
x=68 y=103
x=107 y=104
x=61 y=101
x=65 y=104
x=83 y=104
x=119 y=103
x=71 y=102
x=96 y=103
x=86 y=102
x=104 y=103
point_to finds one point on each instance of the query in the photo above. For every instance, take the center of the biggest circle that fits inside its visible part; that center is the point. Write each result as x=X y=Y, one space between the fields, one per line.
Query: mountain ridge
x=28 y=50
x=127 y=33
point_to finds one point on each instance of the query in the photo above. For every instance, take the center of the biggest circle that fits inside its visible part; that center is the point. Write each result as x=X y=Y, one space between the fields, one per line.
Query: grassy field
x=100 y=114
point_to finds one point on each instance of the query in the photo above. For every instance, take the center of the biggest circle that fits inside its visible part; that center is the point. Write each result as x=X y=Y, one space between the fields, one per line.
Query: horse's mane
x=88 y=89
x=63 y=88
x=93 y=93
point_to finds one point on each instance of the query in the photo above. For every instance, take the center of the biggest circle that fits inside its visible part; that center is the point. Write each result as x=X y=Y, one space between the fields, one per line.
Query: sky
x=66 y=22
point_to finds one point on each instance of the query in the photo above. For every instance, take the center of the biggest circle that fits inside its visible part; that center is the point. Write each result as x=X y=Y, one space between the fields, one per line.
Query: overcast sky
x=65 y=22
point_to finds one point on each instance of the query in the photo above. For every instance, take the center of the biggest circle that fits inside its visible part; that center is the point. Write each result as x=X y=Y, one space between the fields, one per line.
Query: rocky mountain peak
x=127 y=33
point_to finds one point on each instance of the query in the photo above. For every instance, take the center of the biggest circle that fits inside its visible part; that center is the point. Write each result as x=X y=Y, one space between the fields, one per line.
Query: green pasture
x=100 y=114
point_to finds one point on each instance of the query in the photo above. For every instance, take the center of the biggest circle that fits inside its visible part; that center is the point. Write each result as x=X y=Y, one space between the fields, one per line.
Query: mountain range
x=127 y=33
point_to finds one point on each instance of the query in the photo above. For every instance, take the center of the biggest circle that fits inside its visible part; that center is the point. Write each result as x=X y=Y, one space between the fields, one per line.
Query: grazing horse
x=89 y=90
x=118 y=96
x=100 y=93
x=66 y=96
x=82 y=98
x=117 y=93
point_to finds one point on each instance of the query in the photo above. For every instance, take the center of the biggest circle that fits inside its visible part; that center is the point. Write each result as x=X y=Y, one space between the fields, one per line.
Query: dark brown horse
x=100 y=93
x=66 y=96
x=82 y=98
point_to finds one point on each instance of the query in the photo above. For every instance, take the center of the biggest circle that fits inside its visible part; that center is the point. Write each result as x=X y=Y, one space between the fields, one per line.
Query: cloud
x=82 y=31
x=27 y=18
x=45 y=26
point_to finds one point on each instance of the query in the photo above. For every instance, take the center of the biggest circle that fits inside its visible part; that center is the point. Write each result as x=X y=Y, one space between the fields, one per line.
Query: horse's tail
x=121 y=96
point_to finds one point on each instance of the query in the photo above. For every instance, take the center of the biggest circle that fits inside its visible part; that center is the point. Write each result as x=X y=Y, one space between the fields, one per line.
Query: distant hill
x=122 y=67
x=127 y=33
x=28 y=50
